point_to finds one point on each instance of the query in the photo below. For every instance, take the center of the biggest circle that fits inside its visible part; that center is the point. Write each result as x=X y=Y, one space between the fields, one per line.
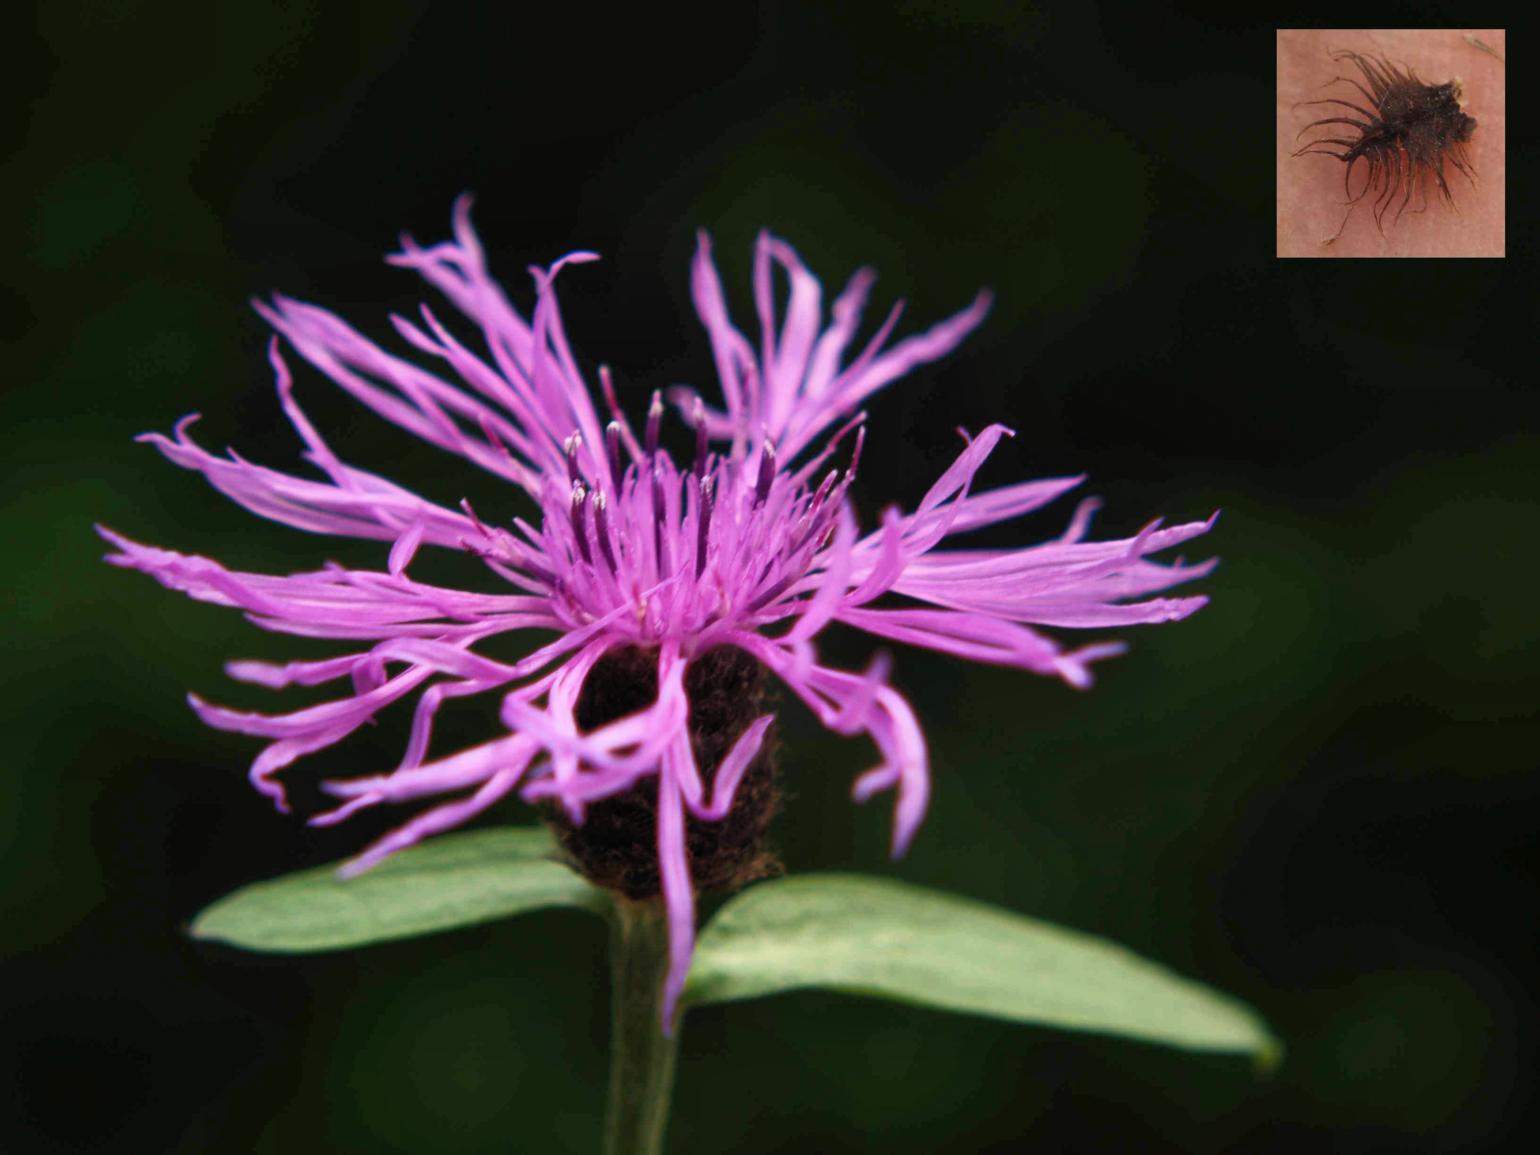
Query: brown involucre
x=616 y=845
x=1408 y=131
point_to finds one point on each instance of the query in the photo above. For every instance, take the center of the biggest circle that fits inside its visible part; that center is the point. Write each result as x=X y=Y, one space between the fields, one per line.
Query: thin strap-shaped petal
x=370 y=507
x=728 y=346
x=400 y=391
x=976 y=510
x=350 y=712
x=905 y=747
x=848 y=391
x=724 y=783
x=784 y=377
x=456 y=772
x=332 y=599
x=275 y=676
x=846 y=311
x=678 y=895
x=977 y=637
x=440 y=818
x=959 y=474
x=458 y=270
x=1088 y=617
x=555 y=373
x=831 y=588
x=845 y=702
x=887 y=566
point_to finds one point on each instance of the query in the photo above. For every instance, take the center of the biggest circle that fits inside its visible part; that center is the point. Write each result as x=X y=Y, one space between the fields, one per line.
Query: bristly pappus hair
x=1407 y=132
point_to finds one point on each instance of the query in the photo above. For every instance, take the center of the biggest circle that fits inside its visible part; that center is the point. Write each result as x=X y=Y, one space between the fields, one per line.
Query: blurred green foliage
x=1319 y=793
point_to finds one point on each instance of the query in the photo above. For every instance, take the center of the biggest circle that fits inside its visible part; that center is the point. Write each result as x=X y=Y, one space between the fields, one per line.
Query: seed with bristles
x=1406 y=131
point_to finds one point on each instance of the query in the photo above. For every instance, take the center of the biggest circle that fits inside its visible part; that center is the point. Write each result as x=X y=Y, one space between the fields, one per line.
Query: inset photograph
x=1391 y=142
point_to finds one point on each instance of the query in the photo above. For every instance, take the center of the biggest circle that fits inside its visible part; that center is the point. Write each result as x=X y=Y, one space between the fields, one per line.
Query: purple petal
x=435 y=821
x=678 y=895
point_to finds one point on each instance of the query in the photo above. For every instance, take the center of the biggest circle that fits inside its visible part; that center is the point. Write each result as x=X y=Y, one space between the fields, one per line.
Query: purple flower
x=751 y=544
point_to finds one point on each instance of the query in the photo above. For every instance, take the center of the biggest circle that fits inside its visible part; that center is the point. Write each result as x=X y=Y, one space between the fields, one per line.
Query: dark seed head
x=1406 y=132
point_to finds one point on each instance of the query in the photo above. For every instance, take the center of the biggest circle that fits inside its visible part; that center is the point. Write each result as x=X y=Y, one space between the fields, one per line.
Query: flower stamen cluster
x=752 y=547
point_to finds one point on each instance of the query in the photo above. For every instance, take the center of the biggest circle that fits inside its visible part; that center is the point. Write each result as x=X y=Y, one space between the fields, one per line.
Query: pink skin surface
x=1310 y=197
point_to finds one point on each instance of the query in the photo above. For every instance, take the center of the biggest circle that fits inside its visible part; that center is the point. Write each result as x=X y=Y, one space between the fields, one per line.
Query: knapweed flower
x=686 y=577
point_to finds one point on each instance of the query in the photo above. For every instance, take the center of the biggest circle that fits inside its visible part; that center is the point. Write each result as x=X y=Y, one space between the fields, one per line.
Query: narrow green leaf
x=872 y=936
x=451 y=881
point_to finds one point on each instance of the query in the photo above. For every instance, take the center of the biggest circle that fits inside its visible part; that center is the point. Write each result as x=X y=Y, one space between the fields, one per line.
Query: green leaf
x=451 y=881
x=871 y=936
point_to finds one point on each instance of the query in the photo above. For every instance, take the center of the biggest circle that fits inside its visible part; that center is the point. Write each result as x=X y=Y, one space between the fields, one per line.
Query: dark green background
x=1318 y=794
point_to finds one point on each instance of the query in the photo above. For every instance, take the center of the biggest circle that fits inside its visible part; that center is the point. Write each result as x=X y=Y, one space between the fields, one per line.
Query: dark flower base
x=616 y=846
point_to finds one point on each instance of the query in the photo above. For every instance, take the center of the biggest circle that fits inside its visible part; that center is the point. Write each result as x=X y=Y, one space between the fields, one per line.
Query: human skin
x=1310 y=198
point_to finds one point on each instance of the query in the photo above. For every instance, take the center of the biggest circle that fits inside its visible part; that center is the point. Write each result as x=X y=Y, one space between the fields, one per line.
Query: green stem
x=641 y=1059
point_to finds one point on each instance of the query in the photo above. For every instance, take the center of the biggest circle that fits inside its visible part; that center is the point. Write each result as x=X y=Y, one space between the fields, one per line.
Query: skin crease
x=1310 y=198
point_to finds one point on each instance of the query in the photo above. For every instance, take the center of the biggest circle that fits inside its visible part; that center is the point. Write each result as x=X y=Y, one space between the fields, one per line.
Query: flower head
x=749 y=546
